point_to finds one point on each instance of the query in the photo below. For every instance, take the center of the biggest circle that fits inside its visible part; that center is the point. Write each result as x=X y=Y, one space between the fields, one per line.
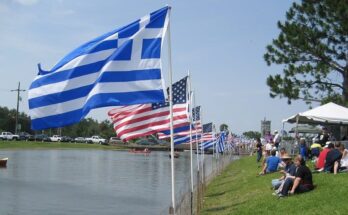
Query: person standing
x=258 y=149
x=276 y=139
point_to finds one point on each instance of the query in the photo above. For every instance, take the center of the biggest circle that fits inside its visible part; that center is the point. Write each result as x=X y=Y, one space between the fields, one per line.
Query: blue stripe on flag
x=68 y=74
x=80 y=92
x=99 y=100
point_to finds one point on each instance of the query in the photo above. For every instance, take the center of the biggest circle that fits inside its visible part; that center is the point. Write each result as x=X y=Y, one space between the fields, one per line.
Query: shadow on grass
x=222 y=208
x=216 y=194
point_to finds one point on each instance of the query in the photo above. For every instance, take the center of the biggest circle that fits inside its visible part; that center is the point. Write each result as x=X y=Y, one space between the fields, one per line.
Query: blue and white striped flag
x=207 y=145
x=221 y=143
x=122 y=67
x=185 y=139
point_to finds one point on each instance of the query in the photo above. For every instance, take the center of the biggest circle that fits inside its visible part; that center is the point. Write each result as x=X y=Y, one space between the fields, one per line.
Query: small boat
x=140 y=151
x=3 y=162
x=176 y=155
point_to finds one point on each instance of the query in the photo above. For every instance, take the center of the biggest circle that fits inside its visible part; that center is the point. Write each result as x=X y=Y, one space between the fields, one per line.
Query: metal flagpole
x=200 y=141
x=171 y=115
x=190 y=115
x=197 y=147
x=191 y=154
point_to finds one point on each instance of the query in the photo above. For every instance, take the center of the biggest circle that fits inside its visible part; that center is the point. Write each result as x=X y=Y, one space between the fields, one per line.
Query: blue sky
x=221 y=42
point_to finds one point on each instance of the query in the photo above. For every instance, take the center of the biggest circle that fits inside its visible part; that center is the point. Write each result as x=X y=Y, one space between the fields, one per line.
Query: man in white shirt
x=276 y=139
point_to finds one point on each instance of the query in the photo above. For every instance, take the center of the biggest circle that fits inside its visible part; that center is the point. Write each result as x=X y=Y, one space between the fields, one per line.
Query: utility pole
x=18 y=98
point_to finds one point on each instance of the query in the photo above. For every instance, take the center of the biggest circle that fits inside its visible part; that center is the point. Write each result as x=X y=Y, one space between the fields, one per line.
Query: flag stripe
x=109 y=99
x=90 y=90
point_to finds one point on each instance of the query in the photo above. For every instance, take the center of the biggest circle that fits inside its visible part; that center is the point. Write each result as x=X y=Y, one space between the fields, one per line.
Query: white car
x=96 y=139
x=8 y=136
x=56 y=138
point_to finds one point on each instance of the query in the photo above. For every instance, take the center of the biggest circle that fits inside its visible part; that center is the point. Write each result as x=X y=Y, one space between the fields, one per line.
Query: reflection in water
x=89 y=182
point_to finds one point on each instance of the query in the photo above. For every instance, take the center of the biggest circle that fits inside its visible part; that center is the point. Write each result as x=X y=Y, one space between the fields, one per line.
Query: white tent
x=329 y=113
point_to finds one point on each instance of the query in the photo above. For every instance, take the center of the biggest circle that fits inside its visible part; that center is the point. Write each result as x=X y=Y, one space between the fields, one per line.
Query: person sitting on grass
x=289 y=171
x=315 y=149
x=303 y=179
x=344 y=159
x=333 y=159
x=271 y=164
x=322 y=157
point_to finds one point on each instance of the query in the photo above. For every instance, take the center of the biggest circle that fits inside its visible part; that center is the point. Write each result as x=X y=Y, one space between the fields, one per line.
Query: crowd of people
x=296 y=177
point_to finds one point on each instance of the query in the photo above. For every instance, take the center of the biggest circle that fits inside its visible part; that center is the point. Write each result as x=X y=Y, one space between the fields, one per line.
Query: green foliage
x=252 y=134
x=238 y=190
x=223 y=127
x=313 y=47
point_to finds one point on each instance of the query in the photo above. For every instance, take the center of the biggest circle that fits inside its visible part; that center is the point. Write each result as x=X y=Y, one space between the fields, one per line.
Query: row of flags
x=121 y=68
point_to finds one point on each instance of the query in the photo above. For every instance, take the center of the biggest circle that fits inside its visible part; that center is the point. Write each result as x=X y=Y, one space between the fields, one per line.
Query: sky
x=220 y=42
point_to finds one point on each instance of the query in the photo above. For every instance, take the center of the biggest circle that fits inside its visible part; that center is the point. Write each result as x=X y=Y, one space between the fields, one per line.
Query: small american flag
x=207 y=132
x=141 y=120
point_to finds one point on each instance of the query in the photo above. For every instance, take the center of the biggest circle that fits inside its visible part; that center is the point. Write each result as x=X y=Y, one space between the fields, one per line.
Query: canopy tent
x=329 y=113
x=306 y=129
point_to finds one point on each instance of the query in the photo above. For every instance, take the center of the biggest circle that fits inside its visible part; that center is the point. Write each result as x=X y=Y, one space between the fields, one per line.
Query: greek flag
x=207 y=145
x=221 y=142
x=185 y=139
x=122 y=67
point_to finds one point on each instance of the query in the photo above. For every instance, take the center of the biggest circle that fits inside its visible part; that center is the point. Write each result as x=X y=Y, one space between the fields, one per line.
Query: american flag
x=207 y=132
x=141 y=120
x=196 y=127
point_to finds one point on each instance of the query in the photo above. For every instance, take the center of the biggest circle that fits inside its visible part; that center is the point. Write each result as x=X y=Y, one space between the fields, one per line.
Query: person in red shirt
x=322 y=157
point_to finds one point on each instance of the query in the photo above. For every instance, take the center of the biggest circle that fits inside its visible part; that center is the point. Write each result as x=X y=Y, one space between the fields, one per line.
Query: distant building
x=265 y=127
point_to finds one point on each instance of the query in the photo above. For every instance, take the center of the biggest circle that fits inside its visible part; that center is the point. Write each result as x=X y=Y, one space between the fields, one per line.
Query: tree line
x=85 y=128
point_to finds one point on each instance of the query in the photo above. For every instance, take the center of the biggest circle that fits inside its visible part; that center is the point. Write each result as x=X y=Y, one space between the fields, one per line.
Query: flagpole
x=194 y=106
x=191 y=154
x=171 y=114
x=200 y=141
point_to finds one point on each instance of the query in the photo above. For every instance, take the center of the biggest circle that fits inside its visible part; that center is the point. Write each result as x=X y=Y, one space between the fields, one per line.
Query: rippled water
x=89 y=182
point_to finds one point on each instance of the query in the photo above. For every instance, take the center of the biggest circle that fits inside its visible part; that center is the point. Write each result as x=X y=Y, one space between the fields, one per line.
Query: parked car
x=67 y=139
x=8 y=136
x=25 y=136
x=96 y=139
x=56 y=138
x=114 y=140
x=42 y=138
x=80 y=140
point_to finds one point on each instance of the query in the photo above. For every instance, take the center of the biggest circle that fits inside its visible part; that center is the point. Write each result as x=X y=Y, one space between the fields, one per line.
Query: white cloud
x=26 y=2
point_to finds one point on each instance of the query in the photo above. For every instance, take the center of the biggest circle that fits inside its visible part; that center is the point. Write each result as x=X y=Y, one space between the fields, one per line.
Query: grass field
x=51 y=145
x=238 y=190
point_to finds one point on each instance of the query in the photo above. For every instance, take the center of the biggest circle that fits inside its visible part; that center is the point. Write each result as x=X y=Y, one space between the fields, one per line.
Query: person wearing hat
x=288 y=172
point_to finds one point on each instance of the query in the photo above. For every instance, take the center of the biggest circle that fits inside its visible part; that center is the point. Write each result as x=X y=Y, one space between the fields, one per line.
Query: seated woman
x=342 y=166
x=302 y=182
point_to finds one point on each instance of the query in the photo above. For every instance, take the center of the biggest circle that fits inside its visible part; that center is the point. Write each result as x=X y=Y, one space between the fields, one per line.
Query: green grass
x=238 y=190
x=56 y=145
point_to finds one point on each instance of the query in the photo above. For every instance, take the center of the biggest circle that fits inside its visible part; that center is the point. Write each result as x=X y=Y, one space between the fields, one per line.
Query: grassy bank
x=240 y=191
x=43 y=145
